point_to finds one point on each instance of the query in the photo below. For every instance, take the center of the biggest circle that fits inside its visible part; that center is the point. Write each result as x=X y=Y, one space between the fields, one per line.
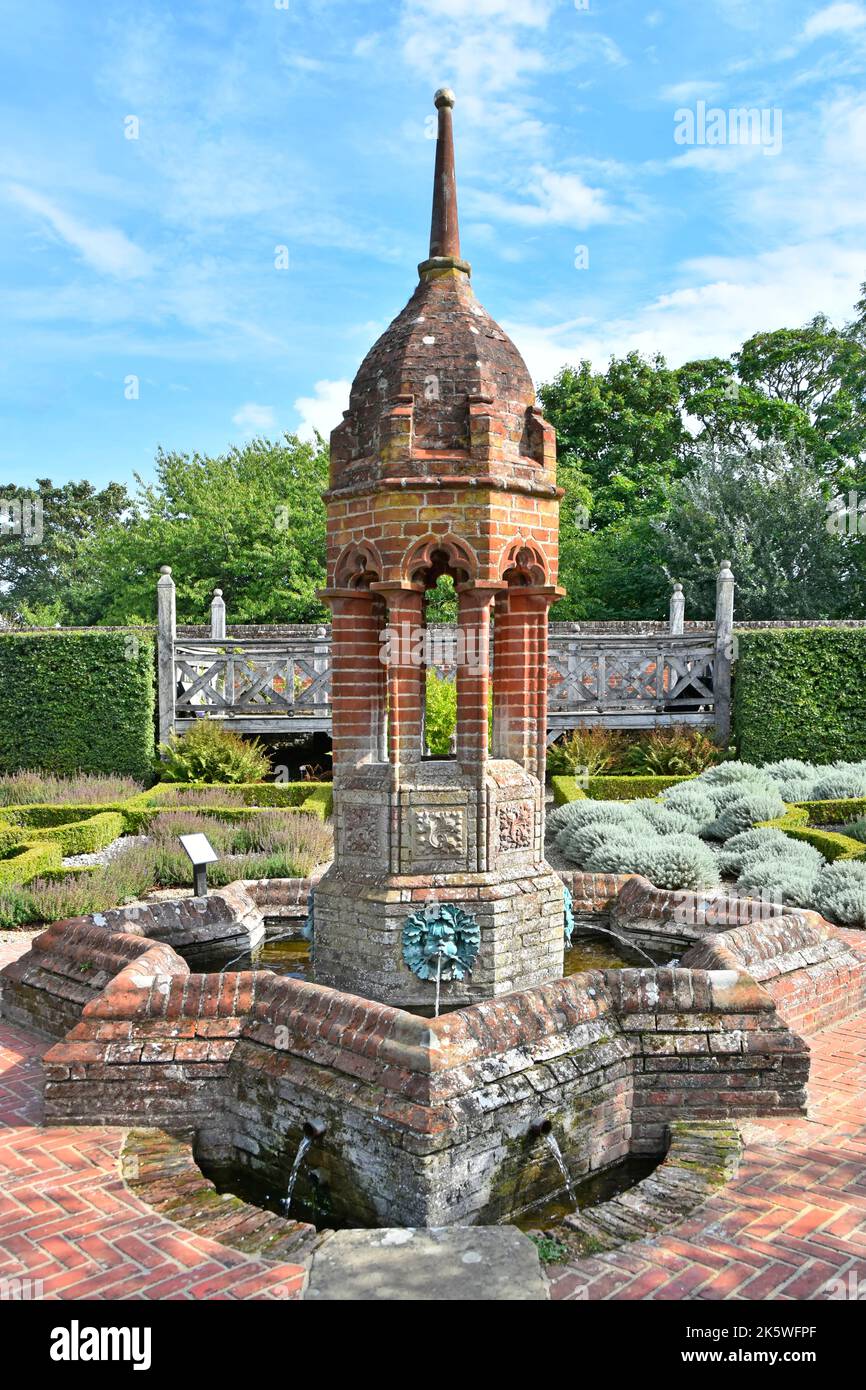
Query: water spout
x=301 y=1154
x=540 y=1127
x=617 y=936
x=550 y=1140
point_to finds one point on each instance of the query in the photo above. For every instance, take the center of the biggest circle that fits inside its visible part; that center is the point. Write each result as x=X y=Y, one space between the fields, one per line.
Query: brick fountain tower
x=442 y=465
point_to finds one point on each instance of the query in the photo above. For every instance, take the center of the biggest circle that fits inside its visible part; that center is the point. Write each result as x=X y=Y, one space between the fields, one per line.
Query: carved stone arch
x=359 y=565
x=433 y=556
x=523 y=563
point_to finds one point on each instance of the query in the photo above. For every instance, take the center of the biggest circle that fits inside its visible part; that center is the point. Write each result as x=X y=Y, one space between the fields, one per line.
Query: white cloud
x=727 y=300
x=103 y=248
x=834 y=19
x=695 y=90
x=254 y=417
x=560 y=200
x=322 y=411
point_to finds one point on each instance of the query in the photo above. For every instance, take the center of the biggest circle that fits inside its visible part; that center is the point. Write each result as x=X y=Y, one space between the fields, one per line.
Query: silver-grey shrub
x=754 y=805
x=781 y=879
x=840 y=892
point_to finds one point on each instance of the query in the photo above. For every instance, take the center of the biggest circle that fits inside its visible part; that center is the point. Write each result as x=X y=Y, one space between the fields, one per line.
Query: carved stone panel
x=362 y=827
x=438 y=833
x=516 y=821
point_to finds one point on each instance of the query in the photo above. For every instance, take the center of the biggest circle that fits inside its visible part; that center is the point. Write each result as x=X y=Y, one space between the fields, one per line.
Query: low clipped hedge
x=799 y=820
x=605 y=788
x=85 y=836
x=800 y=693
x=835 y=812
x=26 y=861
x=310 y=798
x=77 y=702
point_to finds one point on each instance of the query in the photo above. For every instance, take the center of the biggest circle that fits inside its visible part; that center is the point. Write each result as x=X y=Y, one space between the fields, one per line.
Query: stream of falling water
x=605 y=931
x=550 y=1141
x=305 y=1143
x=438 y=982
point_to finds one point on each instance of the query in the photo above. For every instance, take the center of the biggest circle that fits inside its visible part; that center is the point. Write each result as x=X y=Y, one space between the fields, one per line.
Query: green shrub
x=85 y=836
x=834 y=812
x=630 y=788
x=77 y=702
x=801 y=693
x=440 y=720
x=565 y=790
x=855 y=831
x=675 y=752
x=591 y=751
x=209 y=752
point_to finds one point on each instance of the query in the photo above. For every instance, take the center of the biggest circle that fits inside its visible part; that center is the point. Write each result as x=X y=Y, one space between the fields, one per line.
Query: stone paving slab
x=458 y=1264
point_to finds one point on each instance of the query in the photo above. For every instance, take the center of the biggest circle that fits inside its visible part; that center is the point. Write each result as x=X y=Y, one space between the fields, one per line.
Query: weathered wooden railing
x=282 y=684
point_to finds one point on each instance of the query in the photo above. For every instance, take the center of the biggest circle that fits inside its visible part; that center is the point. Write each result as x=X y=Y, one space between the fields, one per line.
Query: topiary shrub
x=838 y=781
x=621 y=851
x=681 y=861
x=840 y=893
x=781 y=879
x=211 y=753
x=743 y=811
x=688 y=799
x=580 y=813
x=664 y=820
x=765 y=844
x=856 y=830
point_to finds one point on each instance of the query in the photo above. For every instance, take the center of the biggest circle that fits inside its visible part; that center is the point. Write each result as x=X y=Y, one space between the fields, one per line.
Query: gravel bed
x=104 y=856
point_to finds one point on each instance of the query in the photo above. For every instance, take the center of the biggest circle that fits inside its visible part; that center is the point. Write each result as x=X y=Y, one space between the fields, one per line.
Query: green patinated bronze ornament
x=568 y=913
x=442 y=940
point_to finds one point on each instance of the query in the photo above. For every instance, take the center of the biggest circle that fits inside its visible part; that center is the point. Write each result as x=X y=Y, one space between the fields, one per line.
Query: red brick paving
x=794 y=1218
x=67 y=1218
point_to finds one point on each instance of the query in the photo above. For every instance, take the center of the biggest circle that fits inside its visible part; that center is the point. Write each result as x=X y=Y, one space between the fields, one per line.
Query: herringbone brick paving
x=67 y=1218
x=793 y=1220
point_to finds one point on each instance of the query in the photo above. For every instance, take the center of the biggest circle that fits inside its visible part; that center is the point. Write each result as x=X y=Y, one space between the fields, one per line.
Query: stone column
x=166 y=609
x=677 y=611
x=724 y=651
x=218 y=616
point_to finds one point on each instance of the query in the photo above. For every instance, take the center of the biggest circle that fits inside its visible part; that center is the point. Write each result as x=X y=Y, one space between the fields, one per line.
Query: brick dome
x=440 y=367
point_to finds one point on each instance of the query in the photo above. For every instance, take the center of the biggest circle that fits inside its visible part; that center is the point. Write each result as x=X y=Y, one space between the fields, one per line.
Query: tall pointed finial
x=444 y=227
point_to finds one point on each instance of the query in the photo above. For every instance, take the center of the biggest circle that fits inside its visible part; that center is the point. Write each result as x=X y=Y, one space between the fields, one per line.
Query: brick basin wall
x=427 y=1121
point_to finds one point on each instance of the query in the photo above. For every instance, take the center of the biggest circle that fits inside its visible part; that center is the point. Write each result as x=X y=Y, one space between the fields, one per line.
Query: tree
x=42 y=566
x=765 y=511
x=250 y=522
x=624 y=430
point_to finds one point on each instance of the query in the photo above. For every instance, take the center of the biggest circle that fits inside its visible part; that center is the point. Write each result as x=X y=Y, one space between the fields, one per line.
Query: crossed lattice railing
x=283 y=683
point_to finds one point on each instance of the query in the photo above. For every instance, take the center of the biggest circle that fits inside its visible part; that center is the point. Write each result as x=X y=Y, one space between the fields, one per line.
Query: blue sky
x=304 y=124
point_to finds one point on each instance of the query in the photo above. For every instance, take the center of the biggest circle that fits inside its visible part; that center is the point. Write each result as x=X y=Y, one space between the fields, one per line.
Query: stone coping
x=159 y=1168
x=701 y=1158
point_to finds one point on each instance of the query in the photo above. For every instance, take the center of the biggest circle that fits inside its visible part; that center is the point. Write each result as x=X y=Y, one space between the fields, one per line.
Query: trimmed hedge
x=800 y=693
x=797 y=823
x=83 y=837
x=28 y=861
x=605 y=788
x=310 y=798
x=835 y=812
x=77 y=702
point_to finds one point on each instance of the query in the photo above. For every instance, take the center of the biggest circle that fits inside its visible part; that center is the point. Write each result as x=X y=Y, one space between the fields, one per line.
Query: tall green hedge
x=800 y=693
x=77 y=702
